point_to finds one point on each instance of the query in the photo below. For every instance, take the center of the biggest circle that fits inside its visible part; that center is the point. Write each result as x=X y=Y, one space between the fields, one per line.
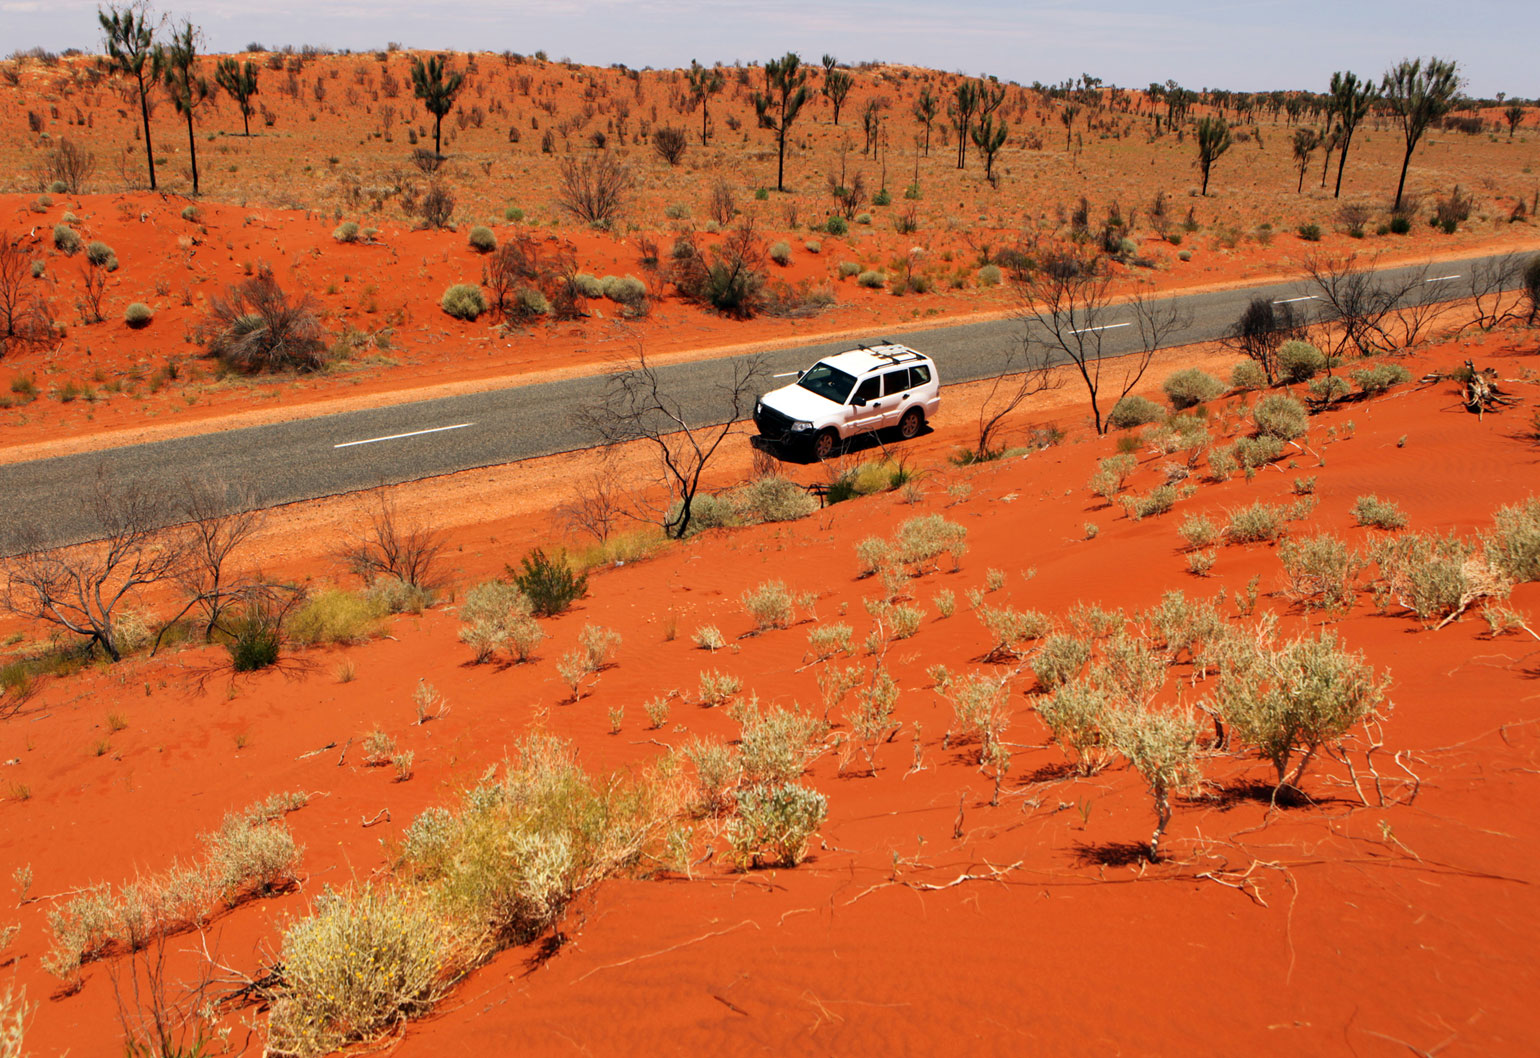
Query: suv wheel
x=825 y=444
x=909 y=426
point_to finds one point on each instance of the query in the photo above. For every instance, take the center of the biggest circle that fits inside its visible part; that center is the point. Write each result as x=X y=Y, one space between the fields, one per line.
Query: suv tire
x=911 y=424
x=825 y=444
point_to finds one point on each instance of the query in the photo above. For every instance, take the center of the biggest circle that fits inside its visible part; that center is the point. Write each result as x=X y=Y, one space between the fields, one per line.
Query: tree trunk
x=1400 y=187
x=1341 y=160
x=246 y=118
x=704 y=118
x=438 y=121
x=780 y=165
x=192 y=149
x=144 y=113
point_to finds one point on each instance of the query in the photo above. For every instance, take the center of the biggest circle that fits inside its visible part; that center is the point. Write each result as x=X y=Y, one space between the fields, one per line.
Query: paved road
x=334 y=454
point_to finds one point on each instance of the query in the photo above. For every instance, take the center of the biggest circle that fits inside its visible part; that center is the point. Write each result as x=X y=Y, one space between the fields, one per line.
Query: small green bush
x=1380 y=377
x=774 y=824
x=333 y=616
x=773 y=499
x=863 y=218
x=1328 y=389
x=1158 y=500
x=813 y=246
x=481 y=239
x=513 y=214
x=836 y=226
x=872 y=279
x=138 y=315
x=624 y=290
x=588 y=286
x=1134 y=410
x=1281 y=416
x=1059 y=660
x=1248 y=374
x=464 y=301
x=1310 y=232
x=780 y=253
x=191 y=213
x=1256 y=524
x=65 y=239
x=990 y=276
x=1186 y=389
x=551 y=583
x=347 y=231
x=1513 y=545
x=100 y=255
x=1372 y=512
x=253 y=643
x=1252 y=453
x=1184 y=255
x=38 y=268
x=882 y=198
x=530 y=302
x=1400 y=224
x=1299 y=361
x=848 y=269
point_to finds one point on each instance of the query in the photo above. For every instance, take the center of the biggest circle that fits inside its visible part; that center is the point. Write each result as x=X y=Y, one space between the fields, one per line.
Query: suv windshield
x=828 y=382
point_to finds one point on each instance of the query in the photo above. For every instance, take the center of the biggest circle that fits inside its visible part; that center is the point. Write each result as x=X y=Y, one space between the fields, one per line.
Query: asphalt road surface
x=314 y=457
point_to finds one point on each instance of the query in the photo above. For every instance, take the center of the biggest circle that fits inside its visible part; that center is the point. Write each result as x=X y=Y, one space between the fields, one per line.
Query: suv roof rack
x=885 y=351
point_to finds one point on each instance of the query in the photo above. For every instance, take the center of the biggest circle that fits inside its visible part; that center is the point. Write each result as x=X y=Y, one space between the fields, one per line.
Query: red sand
x=1368 y=930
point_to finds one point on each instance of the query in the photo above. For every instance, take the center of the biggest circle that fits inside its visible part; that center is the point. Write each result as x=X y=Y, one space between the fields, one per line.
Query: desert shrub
x=1373 y=512
x=1379 y=378
x=980 y=711
x=464 y=301
x=138 y=315
x=836 y=226
x=1248 y=374
x=333 y=616
x=1253 y=453
x=1257 y=523
x=66 y=240
x=774 y=824
x=825 y=641
x=257 y=328
x=192 y=214
x=1112 y=473
x=1075 y=714
x=1299 y=361
x=1328 y=389
x=347 y=231
x=1184 y=389
x=1158 y=500
x=1320 y=571
x=625 y=290
x=359 y=964
x=100 y=255
x=848 y=268
x=780 y=253
x=770 y=605
x=1513 y=545
x=254 y=642
x=813 y=246
x=530 y=303
x=550 y=582
x=589 y=286
x=1198 y=531
x=1059 y=660
x=871 y=279
x=718 y=770
x=1008 y=627
x=1280 y=416
x=1295 y=698
x=481 y=239
x=776 y=747
x=773 y=499
x=1134 y=410
x=1435 y=577
x=708 y=510
x=1163 y=748
x=990 y=276
x=492 y=611
x=1310 y=232
x=920 y=541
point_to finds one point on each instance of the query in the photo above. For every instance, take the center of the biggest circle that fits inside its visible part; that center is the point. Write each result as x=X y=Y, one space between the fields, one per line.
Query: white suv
x=866 y=389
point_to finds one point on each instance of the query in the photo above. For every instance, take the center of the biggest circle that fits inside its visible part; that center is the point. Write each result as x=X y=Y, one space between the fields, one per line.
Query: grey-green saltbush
x=624 y=290
x=870 y=278
x=65 y=239
x=587 y=285
x=1184 y=389
x=191 y=213
x=1134 y=410
x=848 y=269
x=138 y=314
x=1299 y=361
x=863 y=218
x=1248 y=374
x=347 y=231
x=532 y=303
x=813 y=246
x=464 y=301
x=780 y=253
x=1280 y=416
x=989 y=276
x=101 y=255
x=481 y=239
x=1377 y=379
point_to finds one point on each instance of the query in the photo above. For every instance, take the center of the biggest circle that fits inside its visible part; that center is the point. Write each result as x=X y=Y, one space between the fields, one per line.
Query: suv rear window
x=896 y=381
x=919 y=374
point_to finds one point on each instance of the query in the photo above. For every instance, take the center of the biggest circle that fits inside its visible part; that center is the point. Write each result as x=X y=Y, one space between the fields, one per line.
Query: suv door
x=865 y=409
x=895 y=388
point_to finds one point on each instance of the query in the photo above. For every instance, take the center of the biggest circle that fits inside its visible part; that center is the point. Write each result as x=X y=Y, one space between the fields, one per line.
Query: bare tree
x=596 y=508
x=593 y=189
x=1022 y=374
x=67 y=163
x=1356 y=304
x=83 y=588
x=669 y=141
x=640 y=405
x=1068 y=313
x=1497 y=291
x=24 y=317
x=396 y=546
x=217 y=523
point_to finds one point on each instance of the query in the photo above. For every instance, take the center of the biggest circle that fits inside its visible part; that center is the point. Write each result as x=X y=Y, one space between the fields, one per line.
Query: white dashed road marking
x=398 y=436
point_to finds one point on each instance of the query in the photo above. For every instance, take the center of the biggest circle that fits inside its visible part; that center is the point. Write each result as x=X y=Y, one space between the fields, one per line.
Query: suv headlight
x=801 y=426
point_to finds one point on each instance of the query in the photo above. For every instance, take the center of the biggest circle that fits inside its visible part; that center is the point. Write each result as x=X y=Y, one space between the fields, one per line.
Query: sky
x=1258 y=45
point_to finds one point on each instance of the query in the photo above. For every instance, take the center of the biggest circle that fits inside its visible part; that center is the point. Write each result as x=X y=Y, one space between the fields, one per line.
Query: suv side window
x=920 y=374
x=896 y=381
x=868 y=390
